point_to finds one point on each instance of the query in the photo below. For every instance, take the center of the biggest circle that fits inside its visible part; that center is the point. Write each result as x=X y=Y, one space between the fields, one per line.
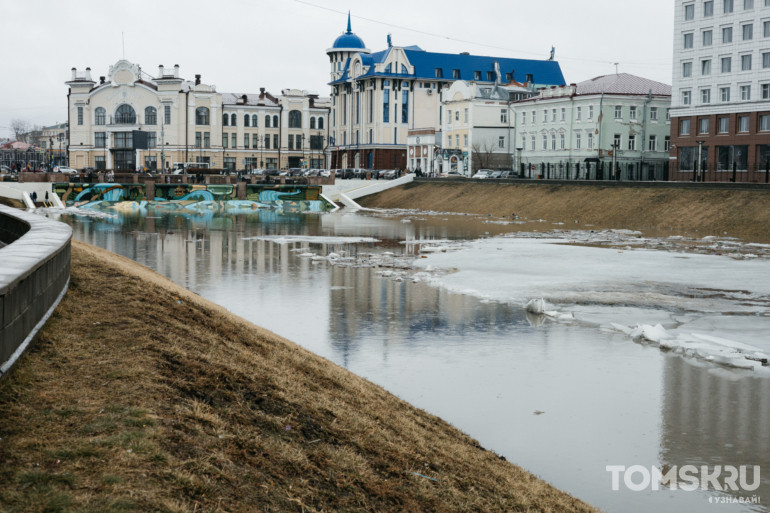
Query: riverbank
x=739 y=213
x=139 y=395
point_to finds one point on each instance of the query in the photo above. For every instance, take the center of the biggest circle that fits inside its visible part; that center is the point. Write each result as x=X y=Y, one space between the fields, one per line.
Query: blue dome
x=349 y=40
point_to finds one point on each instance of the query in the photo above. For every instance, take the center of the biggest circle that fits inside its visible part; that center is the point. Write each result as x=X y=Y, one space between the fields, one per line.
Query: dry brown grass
x=141 y=396
x=744 y=214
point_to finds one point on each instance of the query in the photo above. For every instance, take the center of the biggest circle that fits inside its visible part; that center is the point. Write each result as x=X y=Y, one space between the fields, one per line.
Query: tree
x=482 y=156
x=20 y=127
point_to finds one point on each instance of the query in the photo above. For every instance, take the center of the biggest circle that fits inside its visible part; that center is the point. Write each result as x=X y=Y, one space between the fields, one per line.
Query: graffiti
x=194 y=199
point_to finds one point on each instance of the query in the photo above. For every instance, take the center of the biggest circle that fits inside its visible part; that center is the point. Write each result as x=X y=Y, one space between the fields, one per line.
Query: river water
x=425 y=305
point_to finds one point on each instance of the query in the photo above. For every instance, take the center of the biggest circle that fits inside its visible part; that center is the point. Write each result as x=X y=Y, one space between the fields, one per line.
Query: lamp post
x=60 y=137
x=615 y=146
x=699 y=167
x=517 y=168
x=261 y=148
x=303 y=151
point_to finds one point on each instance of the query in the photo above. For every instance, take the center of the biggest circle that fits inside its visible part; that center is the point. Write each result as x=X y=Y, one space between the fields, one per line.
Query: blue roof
x=349 y=40
x=543 y=72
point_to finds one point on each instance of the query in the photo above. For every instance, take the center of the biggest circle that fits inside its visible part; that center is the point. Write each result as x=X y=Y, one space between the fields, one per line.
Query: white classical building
x=609 y=127
x=130 y=120
x=479 y=130
x=379 y=99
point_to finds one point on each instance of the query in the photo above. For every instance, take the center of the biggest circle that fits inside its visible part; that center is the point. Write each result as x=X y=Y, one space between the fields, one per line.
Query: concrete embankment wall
x=656 y=208
x=34 y=274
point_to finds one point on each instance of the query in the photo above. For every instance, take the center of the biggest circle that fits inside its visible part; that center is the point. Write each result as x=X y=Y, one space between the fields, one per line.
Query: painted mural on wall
x=130 y=198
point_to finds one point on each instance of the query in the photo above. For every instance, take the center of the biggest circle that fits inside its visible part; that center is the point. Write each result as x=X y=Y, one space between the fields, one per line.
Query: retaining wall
x=34 y=275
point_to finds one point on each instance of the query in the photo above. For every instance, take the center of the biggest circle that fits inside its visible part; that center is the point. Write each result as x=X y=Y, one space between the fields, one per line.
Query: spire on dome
x=349 y=30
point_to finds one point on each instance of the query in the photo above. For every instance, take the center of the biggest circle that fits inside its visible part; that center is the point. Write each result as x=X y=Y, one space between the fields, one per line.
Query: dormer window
x=439 y=73
x=388 y=68
x=476 y=75
x=455 y=73
x=490 y=76
x=404 y=70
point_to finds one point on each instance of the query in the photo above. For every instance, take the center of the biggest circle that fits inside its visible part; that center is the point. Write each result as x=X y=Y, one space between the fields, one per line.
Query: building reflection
x=715 y=416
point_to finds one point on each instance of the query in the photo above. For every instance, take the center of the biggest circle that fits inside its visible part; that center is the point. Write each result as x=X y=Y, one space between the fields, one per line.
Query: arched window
x=225 y=119
x=125 y=115
x=388 y=68
x=403 y=70
x=295 y=119
x=150 y=116
x=245 y=120
x=100 y=116
x=320 y=123
x=201 y=116
x=267 y=121
x=254 y=120
x=312 y=123
x=233 y=119
x=275 y=121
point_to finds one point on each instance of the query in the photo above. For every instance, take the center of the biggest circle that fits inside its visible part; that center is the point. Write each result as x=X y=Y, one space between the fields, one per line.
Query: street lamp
x=261 y=147
x=303 y=149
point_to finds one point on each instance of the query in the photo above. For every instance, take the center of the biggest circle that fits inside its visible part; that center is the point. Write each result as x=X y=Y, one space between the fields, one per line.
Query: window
x=404 y=71
x=254 y=141
x=100 y=139
x=150 y=116
x=465 y=115
x=652 y=145
x=457 y=115
x=686 y=69
x=577 y=141
x=254 y=120
x=320 y=123
x=703 y=126
x=590 y=112
x=689 y=12
x=490 y=76
x=534 y=120
x=746 y=62
x=199 y=140
x=275 y=121
x=545 y=115
x=476 y=75
x=553 y=141
x=705 y=95
x=167 y=114
x=267 y=121
x=618 y=112
x=727 y=64
x=275 y=141
x=578 y=113
x=457 y=139
x=748 y=31
x=766 y=29
x=705 y=67
x=245 y=140
x=688 y=40
x=100 y=116
x=225 y=119
x=632 y=142
x=766 y=91
x=291 y=141
x=668 y=114
x=545 y=142
x=267 y=142
x=684 y=127
x=80 y=115
x=295 y=119
x=553 y=115
x=439 y=73
x=465 y=140
x=503 y=115
x=501 y=142
x=743 y=124
x=727 y=34
x=708 y=8
x=201 y=116
x=561 y=141
x=590 y=141
x=724 y=94
x=523 y=118
x=100 y=163
x=653 y=113
x=455 y=73
x=246 y=120
x=206 y=140
x=563 y=114
x=405 y=106
x=723 y=125
x=686 y=97
x=152 y=140
x=707 y=37
x=764 y=123
x=617 y=141
x=312 y=123
x=125 y=115
x=386 y=106
x=233 y=119
x=748 y=4
x=727 y=6
x=745 y=92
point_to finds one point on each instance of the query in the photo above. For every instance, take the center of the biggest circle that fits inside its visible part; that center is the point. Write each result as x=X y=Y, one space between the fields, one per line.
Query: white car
x=64 y=169
x=482 y=174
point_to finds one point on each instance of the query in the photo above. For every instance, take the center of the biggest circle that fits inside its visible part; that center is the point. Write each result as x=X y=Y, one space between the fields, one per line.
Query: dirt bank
x=141 y=396
x=744 y=214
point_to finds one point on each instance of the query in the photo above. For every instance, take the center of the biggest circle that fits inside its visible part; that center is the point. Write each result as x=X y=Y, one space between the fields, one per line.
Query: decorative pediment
x=124 y=73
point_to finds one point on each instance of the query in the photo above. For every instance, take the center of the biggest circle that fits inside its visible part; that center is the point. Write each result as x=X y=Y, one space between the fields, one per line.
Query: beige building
x=130 y=120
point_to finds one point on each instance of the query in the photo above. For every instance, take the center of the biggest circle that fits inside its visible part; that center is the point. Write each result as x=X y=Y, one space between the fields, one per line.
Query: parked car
x=5 y=169
x=483 y=174
x=66 y=170
x=496 y=174
x=326 y=173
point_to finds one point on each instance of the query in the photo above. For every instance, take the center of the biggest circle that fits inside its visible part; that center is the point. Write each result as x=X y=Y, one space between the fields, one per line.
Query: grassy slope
x=141 y=396
x=744 y=214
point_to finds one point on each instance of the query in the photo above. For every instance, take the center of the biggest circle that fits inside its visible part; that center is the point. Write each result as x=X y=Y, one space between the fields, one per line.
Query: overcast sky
x=242 y=45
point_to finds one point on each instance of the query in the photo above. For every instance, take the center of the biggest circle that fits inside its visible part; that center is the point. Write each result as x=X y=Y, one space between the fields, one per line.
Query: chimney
x=101 y=80
x=261 y=92
x=161 y=71
x=197 y=80
x=176 y=70
x=88 y=74
x=74 y=73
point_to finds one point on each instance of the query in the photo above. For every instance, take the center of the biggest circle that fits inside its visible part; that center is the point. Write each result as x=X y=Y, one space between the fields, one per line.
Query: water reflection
x=483 y=366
